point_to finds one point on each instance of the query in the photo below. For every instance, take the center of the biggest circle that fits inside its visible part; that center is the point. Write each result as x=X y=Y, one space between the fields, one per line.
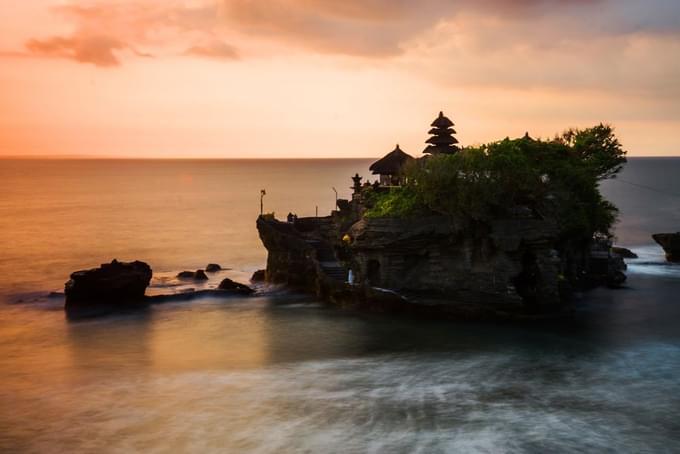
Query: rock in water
x=213 y=268
x=228 y=284
x=258 y=276
x=112 y=284
x=624 y=252
x=199 y=275
x=670 y=242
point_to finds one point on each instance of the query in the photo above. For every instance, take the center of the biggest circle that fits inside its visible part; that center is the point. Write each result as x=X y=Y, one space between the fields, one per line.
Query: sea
x=281 y=373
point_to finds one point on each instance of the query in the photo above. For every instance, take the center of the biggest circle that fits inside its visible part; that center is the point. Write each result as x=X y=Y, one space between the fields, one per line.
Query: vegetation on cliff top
x=557 y=177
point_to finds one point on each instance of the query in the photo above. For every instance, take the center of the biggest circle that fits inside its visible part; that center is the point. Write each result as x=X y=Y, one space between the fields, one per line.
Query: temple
x=391 y=167
x=442 y=140
x=450 y=266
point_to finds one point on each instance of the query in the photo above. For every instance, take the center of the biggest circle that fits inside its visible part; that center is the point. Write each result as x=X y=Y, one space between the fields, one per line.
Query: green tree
x=557 y=178
x=598 y=148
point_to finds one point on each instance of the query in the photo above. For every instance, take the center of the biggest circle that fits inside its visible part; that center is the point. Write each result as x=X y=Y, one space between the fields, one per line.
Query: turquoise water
x=280 y=373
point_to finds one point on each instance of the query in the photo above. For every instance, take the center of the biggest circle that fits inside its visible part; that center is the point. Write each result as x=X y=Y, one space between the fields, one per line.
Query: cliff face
x=290 y=259
x=510 y=263
x=670 y=242
x=427 y=265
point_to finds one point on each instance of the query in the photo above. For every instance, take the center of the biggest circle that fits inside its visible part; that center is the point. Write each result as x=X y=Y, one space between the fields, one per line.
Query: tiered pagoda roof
x=442 y=140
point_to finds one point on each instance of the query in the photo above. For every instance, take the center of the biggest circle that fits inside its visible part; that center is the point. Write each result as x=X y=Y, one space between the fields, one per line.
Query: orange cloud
x=213 y=49
x=367 y=28
x=96 y=49
x=104 y=29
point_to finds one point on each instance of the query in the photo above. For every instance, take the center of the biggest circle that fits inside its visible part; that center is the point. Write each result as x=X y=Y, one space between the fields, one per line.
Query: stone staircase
x=329 y=264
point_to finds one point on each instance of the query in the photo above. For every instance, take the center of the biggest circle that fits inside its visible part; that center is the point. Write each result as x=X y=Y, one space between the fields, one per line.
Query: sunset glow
x=321 y=78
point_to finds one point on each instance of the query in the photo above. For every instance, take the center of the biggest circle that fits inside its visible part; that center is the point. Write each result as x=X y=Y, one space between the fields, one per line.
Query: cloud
x=98 y=50
x=372 y=29
x=384 y=28
x=103 y=30
x=213 y=49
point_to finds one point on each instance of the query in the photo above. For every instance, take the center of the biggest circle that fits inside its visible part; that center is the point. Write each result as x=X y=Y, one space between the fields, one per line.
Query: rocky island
x=504 y=230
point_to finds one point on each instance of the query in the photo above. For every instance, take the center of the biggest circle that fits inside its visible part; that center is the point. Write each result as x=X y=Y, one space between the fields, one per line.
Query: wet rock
x=228 y=284
x=670 y=242
x=195 y=294
x=198 y=275
x=213 y=268
x=258 y=276
x=624 y=252
x=112 y=284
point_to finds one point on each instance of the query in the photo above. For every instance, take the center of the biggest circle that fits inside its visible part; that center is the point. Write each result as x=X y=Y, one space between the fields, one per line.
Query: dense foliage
x=557 y=177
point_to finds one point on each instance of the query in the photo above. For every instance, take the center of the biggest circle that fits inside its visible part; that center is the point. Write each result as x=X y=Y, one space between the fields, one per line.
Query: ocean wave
x=495 y=402
x=652 y=261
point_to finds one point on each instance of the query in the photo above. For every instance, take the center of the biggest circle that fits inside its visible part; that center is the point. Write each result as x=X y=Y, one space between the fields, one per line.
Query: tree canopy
x=557 y=178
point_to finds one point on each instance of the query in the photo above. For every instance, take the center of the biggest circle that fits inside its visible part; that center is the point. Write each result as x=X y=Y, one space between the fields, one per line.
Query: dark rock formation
x=289 y=258
x=198 y=275
x=258 y=276
x=457 y=268
x=188 y=296
x=420 y=266
x=119 y=286
x=508 y=265
x=228 y=284
x=624 y=252
x=670 y=242
x=213 y=268
x=116 y=283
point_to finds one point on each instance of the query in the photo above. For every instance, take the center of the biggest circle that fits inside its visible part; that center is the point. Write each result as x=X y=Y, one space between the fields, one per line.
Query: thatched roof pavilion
x=390 y=166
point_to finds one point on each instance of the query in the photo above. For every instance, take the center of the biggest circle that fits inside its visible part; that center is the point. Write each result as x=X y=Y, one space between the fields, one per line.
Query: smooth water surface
x=279 y=373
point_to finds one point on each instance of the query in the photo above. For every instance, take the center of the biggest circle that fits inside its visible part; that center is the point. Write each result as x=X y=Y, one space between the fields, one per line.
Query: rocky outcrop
x=198 y=275
x=430 y=266
x=119 y=286
x=290 y=258
x=507 y=265
x=258 y=276
x=624 y=252
x=213 y=268
x=670 y=242
x=228 y=284
x=116 y=283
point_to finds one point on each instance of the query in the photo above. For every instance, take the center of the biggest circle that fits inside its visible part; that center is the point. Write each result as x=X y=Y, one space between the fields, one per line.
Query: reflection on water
x=70 y=214
x=282 y=374
x=126 y=335
x=263 y=375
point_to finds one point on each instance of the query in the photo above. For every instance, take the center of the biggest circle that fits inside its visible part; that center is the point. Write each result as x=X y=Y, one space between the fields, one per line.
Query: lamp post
x=262 y=194
x=336 y=197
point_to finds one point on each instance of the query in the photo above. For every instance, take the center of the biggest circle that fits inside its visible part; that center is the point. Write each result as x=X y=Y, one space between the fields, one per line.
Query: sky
x=330 y=78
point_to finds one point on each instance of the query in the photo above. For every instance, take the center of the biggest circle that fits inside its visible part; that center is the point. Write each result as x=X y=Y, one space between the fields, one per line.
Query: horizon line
x=154 y=158
x=170 y=158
